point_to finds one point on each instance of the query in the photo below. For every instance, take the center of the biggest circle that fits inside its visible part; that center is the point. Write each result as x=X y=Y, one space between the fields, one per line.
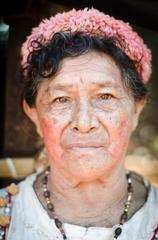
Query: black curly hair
x=43 y=62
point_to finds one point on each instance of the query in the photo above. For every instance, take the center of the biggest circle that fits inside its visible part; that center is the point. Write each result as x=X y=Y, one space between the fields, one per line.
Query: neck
x=96 y=203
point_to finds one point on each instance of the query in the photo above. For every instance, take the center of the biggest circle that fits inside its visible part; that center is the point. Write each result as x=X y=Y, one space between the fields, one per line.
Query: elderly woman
x=85 y=76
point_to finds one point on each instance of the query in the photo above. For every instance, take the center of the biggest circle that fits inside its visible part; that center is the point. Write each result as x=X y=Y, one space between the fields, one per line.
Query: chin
x=88 y=168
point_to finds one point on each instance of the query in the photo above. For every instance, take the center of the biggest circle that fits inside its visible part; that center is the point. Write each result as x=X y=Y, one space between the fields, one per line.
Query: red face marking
x=86 y=117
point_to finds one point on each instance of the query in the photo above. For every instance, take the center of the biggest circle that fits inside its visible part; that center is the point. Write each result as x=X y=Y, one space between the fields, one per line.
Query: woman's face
x=85 y=117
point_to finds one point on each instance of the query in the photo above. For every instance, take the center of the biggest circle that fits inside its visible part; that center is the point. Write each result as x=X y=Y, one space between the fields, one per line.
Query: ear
x=32 y=113
x=139 y=106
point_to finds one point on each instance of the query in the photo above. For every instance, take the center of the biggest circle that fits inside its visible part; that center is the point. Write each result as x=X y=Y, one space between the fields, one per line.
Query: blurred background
x=20 y=147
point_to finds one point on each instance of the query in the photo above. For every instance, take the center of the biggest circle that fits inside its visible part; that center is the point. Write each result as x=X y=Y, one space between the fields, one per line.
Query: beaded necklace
x=123 y=218
x=59 y=224
x=6 y=204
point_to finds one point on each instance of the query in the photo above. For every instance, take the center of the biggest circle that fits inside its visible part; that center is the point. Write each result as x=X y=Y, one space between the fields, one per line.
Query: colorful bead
x=130 y=188
x=124 y=217
x=50 y=206
x=118 y=231
x=3 y=201
x=4 y=220
x=46 y=194
x=127 y=204
x=155 y=236
x=64 y=237
x=1 y=232
x=12 y=189
x=129 y=198
x=7 y=211
x=58 y=223
x=45 y=180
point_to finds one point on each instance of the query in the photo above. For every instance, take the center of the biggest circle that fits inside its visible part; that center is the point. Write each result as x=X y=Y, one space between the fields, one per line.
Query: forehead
x=95 y=61
x=88 y=72
x=90 y=68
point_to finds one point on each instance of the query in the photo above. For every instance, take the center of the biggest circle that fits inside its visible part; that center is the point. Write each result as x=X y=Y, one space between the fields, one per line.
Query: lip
x=85 y=149
x=85 y=145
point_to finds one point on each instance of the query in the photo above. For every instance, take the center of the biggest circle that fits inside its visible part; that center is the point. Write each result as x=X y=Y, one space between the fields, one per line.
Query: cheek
x=119 y=139
x=51 y=136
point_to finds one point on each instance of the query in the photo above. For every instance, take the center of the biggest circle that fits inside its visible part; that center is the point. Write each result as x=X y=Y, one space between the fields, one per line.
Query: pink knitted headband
x=93 y=22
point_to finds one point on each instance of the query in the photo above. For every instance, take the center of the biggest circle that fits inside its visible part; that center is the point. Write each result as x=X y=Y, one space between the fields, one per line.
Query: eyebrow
x=63 y=86
x=106 y=84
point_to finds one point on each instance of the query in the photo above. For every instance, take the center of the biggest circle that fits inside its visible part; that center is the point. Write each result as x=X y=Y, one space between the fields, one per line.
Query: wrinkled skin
x=85 y=117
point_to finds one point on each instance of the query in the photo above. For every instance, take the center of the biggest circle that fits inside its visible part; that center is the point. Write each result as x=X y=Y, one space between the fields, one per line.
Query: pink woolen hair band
x=96 y=23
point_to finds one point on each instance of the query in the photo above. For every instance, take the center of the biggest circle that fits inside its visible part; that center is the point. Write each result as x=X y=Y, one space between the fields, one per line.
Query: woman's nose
x=84 y=119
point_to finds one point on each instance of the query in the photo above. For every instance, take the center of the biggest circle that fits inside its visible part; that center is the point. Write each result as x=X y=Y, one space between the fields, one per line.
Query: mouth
x=85 y=147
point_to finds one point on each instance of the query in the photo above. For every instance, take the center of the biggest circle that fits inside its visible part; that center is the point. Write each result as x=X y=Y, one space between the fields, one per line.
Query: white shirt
x=30 y=221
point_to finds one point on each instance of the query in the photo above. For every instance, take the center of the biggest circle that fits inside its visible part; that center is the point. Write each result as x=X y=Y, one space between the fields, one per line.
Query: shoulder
x=9 y=197
x=147 y=189
x=144 y=185
x=153 y=196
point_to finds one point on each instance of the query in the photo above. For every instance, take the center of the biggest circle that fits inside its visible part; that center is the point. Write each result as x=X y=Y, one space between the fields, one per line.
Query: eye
x=105 y=96
x=61 y=99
